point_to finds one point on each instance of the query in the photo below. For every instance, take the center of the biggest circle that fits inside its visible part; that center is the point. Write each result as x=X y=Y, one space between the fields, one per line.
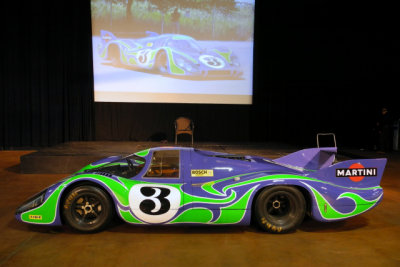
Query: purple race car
x=169 y=54
x=174 y=185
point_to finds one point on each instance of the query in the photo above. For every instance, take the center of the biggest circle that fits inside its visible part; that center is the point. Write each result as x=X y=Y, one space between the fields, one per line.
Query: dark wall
x=318 y=67
x=46 y=73
x=331 y=67
x=148 y=121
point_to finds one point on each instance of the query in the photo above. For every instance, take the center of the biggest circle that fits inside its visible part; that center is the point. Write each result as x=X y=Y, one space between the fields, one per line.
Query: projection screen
x=166 y=51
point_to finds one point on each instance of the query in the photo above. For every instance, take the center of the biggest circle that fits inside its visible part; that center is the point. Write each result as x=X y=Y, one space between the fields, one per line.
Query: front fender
x=49 y=212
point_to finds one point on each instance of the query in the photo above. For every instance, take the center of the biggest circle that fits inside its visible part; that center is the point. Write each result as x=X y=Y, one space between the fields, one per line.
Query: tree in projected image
x=201 y=19
x=210 y=6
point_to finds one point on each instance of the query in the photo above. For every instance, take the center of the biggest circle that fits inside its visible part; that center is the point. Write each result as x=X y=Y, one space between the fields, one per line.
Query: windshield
x=188 y=46
x=126 y=167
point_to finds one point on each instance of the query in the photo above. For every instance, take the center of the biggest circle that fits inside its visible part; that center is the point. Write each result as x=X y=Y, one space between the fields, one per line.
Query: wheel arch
x=111 y=47
x=78 y=183
x=303 y=190
x=169 y=59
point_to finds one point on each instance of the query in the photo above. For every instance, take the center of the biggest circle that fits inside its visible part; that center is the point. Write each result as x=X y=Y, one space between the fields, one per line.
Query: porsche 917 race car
x=175 y=185
x=169 y=54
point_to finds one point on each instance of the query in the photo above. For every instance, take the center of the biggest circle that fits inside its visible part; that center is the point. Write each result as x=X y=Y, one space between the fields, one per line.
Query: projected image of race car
x=169 y=54
x=175 y=185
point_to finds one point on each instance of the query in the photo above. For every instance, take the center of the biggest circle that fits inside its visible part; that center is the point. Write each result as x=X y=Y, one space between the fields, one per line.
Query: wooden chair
x=183 y=125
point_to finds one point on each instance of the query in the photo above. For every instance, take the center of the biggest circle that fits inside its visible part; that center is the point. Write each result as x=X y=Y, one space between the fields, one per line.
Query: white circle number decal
x=212 y=61
x=143 y=57
x=153 y=203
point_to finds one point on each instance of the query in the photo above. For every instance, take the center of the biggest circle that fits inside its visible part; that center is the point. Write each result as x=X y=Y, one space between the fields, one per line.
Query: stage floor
x=72 y=156
x=370 y=239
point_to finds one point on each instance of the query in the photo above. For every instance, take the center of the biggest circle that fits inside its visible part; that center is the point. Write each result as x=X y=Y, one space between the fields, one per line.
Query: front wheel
x=161 y=63
x=87 y=209
x=280 y=209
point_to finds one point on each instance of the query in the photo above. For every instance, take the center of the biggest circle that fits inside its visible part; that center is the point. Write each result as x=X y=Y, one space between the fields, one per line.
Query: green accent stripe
x=226 y=55
x=196 y=199
x=174 y=68
x=49 y=208
x=272 y=177
x=143 y=153
x=128 y=217
x=195 y=215
x=208 y=187
x=235 y=212
x=361 y=205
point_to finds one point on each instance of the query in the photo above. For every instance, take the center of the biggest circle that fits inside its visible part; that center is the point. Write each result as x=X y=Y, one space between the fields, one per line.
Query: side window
x=164 y=164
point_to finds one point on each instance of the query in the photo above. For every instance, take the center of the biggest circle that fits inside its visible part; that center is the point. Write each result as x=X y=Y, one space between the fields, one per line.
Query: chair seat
x=184 y=132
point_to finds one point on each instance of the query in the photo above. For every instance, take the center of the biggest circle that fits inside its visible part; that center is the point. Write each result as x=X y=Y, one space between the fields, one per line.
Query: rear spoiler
x=310 y=159
x=106 y=36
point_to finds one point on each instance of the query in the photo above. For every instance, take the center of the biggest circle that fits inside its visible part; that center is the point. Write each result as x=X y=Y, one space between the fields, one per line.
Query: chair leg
x=176 y=139
x=192 y=139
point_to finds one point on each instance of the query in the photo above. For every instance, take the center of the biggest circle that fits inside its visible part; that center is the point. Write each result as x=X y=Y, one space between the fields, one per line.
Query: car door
x=160 y=196
x=214 y=180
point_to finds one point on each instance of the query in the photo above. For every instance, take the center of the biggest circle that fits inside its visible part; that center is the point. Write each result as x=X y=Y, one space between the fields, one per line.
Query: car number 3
x=143 y=56
x=154 y=203
x=212 y=61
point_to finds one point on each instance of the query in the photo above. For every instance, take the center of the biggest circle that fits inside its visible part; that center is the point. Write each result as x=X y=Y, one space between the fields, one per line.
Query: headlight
x=33 y=202
x=234 y=61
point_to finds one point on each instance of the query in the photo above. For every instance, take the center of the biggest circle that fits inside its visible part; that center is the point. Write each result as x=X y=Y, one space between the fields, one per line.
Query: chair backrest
x=183 y=123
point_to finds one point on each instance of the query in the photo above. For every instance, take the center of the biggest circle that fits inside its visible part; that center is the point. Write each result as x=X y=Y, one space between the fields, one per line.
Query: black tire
x=114 y=55
x=280 y=209
x=161 y=64
x=87 y=209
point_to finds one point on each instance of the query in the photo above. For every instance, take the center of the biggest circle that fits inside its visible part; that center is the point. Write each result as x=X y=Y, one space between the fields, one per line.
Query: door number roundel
x=153 y=203
x=212 y=61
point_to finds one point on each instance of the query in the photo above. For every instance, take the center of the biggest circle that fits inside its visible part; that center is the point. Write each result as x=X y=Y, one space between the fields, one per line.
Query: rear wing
x=359 y=173
x=106 y=36
x=310 y=159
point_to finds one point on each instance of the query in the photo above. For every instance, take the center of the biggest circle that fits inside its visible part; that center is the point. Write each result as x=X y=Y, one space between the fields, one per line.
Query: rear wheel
x=280 y=209
x=114 y=55
x=87 y=209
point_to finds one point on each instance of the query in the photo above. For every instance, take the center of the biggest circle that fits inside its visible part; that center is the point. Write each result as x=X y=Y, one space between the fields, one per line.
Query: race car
x=176 y=185
x=169 y=54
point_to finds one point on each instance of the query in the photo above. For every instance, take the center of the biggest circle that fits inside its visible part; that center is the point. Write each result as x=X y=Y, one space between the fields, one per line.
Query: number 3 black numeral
x=154 y=201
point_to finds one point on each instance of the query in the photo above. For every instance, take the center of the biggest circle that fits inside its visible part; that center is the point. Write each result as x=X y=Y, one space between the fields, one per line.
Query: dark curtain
x=318 y=67
x=46 y=73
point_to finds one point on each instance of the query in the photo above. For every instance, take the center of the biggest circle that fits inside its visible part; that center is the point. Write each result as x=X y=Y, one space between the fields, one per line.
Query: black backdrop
x=46 y=73
x=319 y=67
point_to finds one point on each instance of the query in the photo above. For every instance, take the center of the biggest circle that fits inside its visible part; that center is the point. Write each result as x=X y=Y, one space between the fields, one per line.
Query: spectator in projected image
x=175 y=20
x=384 y=130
